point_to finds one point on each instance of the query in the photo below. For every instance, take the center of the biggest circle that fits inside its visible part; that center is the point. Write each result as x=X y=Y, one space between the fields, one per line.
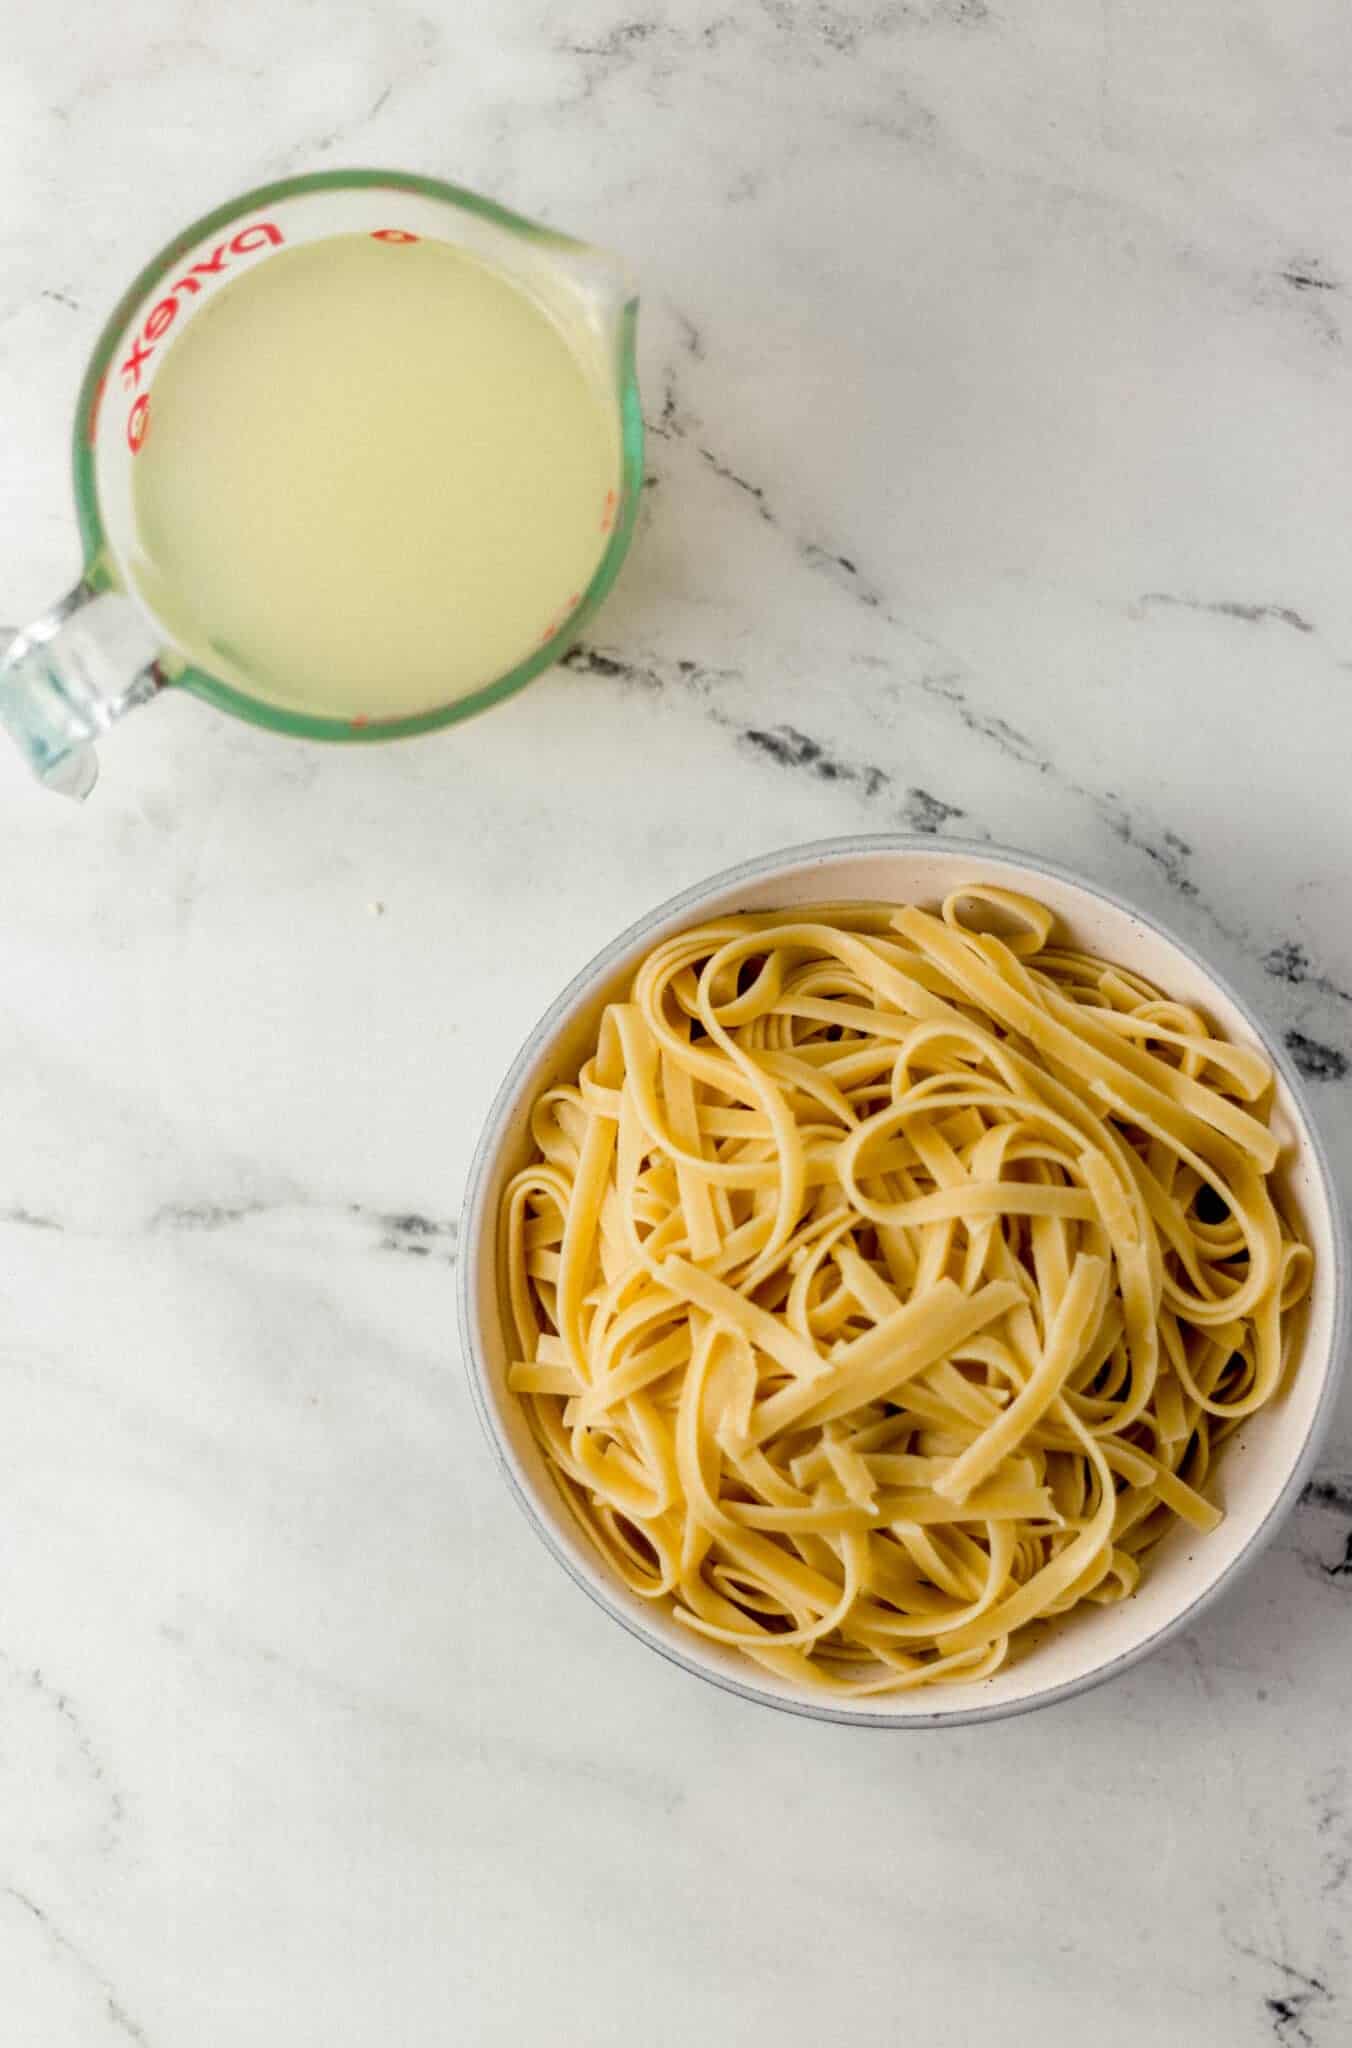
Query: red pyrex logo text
x=162 y=315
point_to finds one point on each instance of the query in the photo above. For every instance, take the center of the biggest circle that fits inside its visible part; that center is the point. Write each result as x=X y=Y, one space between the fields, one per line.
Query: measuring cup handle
x=69 y=676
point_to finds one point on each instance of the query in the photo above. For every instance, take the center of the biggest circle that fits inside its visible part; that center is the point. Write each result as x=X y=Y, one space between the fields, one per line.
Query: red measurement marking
x=550 y=630
x=359 y=721
x=575 y=599
x=131 y=369
x=138 y=422
x=608 y=514
x=392 y=235
x=92 y=419
x=260 y=234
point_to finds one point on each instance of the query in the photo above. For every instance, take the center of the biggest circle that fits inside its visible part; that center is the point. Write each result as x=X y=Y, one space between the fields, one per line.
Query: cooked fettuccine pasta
x=886 y=1280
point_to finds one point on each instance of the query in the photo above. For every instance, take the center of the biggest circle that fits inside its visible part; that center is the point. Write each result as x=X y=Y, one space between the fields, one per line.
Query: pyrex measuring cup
x=102 y=650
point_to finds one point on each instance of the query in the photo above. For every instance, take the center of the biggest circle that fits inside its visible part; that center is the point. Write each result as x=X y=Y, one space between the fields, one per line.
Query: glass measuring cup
x=102 y=650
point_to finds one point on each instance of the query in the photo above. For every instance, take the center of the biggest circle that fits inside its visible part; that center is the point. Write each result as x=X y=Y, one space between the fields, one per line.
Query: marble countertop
x=997 y=358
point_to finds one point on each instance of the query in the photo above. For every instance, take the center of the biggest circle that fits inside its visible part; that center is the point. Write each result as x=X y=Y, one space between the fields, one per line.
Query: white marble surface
x=997 y=362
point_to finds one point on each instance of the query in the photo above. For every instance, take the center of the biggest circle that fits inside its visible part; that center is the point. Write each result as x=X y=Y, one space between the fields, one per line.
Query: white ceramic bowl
x=1264 y=1465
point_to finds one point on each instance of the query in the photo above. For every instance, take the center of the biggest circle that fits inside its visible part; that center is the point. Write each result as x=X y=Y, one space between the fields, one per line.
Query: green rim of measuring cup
x=99 y=571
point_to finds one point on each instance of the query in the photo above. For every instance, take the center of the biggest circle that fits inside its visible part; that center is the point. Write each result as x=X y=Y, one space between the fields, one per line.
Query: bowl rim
x=476 y=1220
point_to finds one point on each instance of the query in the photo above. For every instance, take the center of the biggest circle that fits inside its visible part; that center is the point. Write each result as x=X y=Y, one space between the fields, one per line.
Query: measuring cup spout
x=69 y=676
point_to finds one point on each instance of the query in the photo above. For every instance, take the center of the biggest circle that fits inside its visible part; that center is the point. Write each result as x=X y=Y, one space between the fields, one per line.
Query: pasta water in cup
x=355 y=457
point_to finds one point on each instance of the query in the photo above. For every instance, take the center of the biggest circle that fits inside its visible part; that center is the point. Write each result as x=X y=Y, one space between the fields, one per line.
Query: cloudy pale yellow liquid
x=376 y=476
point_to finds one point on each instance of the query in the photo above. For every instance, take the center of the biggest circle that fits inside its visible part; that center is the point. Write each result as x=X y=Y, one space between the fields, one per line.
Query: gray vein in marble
x=1329 y=1802
x=659 y=46
x=1229 y=608
x=1306 y=279
x=753 y=491
x=817 y=555
x=588 y=661
x=26 y=1219
x=669 y=424
x=828 y=562
x=1316 y=1061
x=674 y=424
x=698 y=680
x=1289 y=962
x=844 y=28
x=1164 y=849
x=55 y=1701
x=1301 y=1996
x=794 y=749
x=924 y=812
x=1334 y=1496
x=818 y=34
x=406 y=1231
x=1289 y=2008
x=617 y=42
x=1006 y=738
x=415 y=1235
x=918 y=809
x=204 y=1215
x=1168 y=852
x=691 y=337
x=113 y=2009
